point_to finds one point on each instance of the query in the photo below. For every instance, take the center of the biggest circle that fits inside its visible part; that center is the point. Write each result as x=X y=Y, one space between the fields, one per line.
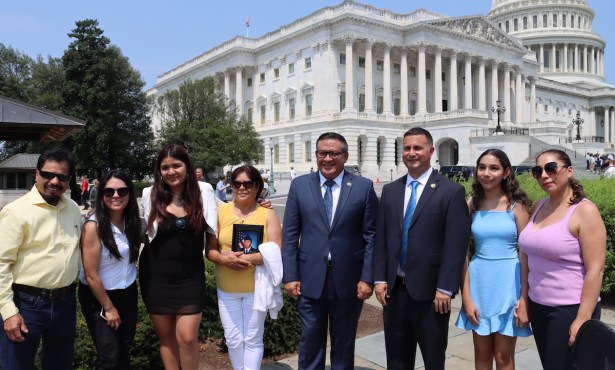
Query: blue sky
x=158 y=35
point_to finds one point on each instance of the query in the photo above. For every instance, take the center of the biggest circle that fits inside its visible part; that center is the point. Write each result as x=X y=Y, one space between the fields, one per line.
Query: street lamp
x=271 y=181
x=579 y=121
x=391 y=174
x=499 y=109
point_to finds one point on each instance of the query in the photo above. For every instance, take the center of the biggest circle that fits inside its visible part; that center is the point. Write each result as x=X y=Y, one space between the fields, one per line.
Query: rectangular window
x=262 y=77
x=250 y=110
x=554 y=20
x=396 y=102
x=516 y=24
x=546 y=108
x=342 y=58
x=379 y=65
x=525 y=23
x=342 y=100
x=291 y=108
x=564 y=17
x=428 y=74
x=308 y=151
x=379 y=104
x=544 y=20
x=412 y=71
x=263 y=112
x=291 y=68
x=308 y=105
x=443 y=76
x=308 y=63
x=276 y=111
x=291 y=152
x=361 y=62
x=396 y=68
x=535 y=22
x=361 y=102
x=572 y=21
x=276 y=153
x=412 y=107
x=507 y=26
x=249 y=81
x=11 y=180
x=276 y=73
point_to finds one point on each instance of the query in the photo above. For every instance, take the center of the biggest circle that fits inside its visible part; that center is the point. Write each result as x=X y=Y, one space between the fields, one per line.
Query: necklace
x=177 y=197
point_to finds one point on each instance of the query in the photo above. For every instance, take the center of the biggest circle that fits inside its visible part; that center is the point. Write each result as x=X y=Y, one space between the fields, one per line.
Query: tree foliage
x=196 y=115
x=102 y=88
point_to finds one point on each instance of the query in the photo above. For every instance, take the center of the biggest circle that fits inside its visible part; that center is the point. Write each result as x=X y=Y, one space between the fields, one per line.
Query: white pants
x=243 y=329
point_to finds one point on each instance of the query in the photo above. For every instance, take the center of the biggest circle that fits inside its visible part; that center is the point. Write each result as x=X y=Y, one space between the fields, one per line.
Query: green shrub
x=601 y=192
x=140 y=185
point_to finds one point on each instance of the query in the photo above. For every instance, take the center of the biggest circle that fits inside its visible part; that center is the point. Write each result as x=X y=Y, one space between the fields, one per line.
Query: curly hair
x=510 y=186
x=578 y=193
x=162 y=196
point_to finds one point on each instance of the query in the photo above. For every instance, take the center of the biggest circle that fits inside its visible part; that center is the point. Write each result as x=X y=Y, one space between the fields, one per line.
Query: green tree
x=102 y=88
x=197 y=116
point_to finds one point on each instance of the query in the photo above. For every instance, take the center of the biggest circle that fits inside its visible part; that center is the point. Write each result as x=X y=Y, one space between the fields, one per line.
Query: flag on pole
x=247 y=22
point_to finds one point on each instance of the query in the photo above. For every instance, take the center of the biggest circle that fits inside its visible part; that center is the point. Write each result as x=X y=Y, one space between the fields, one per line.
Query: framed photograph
x=247 y=238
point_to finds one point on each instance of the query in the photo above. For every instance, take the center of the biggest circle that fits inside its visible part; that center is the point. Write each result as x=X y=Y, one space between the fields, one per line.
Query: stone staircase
x=577 y=158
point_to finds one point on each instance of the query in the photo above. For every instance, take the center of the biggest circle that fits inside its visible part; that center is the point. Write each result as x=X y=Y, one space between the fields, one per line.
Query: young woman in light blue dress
x=492 y=286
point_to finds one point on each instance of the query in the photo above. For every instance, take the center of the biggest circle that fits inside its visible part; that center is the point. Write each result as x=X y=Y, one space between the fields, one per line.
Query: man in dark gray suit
x=422 y=236
x=327 y=249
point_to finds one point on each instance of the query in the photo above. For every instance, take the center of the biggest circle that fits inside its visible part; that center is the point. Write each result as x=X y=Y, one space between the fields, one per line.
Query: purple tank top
x=555 y=261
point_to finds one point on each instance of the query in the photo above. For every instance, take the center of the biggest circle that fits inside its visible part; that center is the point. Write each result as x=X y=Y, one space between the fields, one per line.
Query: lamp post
x=271 y=181
x=579 y=121
x=498 y=109
x=391 y=174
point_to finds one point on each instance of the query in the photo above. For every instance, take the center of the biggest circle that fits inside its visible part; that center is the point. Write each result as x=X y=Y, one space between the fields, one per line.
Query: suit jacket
x=437 y=239
x=307 y=237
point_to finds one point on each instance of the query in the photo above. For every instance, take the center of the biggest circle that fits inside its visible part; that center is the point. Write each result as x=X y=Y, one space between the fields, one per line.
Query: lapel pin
x=433 y=186
x=348 y=184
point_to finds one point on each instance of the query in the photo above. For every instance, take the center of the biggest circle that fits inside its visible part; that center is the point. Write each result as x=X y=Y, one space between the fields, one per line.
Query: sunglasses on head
x=246 y=184
x=50 y=175
x=109 y=192
x=550 y=168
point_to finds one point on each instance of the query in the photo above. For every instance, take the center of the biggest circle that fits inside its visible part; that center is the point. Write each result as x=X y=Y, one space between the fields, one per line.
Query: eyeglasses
x=550 y=168
x=322 y=154
x=50 y=175
x=180 y=223
x=246 y=184
x=121 y=192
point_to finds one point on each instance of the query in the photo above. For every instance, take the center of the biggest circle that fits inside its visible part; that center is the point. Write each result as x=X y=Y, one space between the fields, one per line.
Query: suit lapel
x=344 y=193
x=428 y=191
x=318 y=200
x=400 y=193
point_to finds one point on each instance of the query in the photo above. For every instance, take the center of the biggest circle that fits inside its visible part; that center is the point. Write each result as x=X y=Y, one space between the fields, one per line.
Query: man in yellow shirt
x=39 y=254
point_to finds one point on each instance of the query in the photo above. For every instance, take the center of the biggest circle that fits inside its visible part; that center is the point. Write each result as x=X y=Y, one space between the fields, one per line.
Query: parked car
x=461 y=173
x=518 y=170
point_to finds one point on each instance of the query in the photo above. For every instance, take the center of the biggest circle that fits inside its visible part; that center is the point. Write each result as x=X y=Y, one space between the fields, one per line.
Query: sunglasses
x=550 y=168
x=246 y=184
x=50 y=175
x=121 y=192
x=323 y=154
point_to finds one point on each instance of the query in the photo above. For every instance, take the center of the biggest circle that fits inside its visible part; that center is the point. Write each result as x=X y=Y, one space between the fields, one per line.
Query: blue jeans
x=52 y=320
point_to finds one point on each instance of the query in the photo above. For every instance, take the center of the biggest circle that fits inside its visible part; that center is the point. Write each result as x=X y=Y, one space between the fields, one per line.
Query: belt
x=400 y=280
x=48 y=294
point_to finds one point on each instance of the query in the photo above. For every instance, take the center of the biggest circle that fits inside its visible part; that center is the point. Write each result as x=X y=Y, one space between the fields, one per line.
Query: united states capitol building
x=371 y=74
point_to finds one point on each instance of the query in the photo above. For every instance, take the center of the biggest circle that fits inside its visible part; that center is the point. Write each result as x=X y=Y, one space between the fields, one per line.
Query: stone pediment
x=478 y=27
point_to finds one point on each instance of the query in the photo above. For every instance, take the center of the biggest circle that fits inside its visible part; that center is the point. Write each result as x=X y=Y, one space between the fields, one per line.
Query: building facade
x=371 y=74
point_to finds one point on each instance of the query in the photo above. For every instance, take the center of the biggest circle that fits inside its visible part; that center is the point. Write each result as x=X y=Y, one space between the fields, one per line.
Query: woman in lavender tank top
x=563 y=251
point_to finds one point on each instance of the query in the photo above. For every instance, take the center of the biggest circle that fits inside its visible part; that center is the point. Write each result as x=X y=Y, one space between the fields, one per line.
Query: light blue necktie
x=407 y=219
x=329 y=200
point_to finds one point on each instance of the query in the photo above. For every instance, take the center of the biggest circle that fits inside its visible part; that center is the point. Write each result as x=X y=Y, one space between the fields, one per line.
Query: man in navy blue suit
x=422 y=235
x=327 y=249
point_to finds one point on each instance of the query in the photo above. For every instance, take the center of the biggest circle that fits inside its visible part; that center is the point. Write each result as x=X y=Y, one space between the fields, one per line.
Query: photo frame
x=247 y=238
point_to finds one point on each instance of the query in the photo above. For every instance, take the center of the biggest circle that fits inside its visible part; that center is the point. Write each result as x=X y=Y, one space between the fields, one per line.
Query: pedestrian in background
x=85 y=192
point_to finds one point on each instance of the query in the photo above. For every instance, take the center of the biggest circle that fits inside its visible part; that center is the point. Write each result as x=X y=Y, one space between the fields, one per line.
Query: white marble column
x=541 y=58
x=565 y=58
x=453 y=82
x=349 y=40
x=438 y=80
x=576 y=59
x=592 y=68
x=369 y=84
x=495 y=90
x=601 y=62
x=468 y=83
x=239 y=90
x=386 y=80
x=592 y=122
x=532 y=99
x=422 y=80
x=612 y=124
x=506 y=101
x=482 y=89
x=403 y=109
x=585 y=68
x=519 y=93
x=227 y=84
x=607 y=124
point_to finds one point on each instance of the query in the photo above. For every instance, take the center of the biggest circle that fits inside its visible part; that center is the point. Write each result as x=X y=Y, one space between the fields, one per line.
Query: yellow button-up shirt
x=39 y=246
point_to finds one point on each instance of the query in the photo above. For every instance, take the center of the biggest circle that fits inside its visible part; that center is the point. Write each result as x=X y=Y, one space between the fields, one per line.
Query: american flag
x=247 y=22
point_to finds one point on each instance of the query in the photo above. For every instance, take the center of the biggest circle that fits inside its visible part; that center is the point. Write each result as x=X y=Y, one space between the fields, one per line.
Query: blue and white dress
x=495 y=275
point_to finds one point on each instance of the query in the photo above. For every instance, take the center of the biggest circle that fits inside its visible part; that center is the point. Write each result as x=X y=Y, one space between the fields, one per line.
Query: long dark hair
x=132 y=221
x=577 y=189
x=162 y=196
x=510 y=185
x=253 y=174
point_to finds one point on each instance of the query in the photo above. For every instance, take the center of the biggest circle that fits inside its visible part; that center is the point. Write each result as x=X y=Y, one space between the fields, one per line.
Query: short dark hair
x=57 y=155
x=247 y=237
x=417 y=131
x=333 y=136
x=253 y=175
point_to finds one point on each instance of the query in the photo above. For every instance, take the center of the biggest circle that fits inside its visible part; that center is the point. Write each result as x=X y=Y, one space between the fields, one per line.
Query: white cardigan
x=268 y=280
x=210 y=210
